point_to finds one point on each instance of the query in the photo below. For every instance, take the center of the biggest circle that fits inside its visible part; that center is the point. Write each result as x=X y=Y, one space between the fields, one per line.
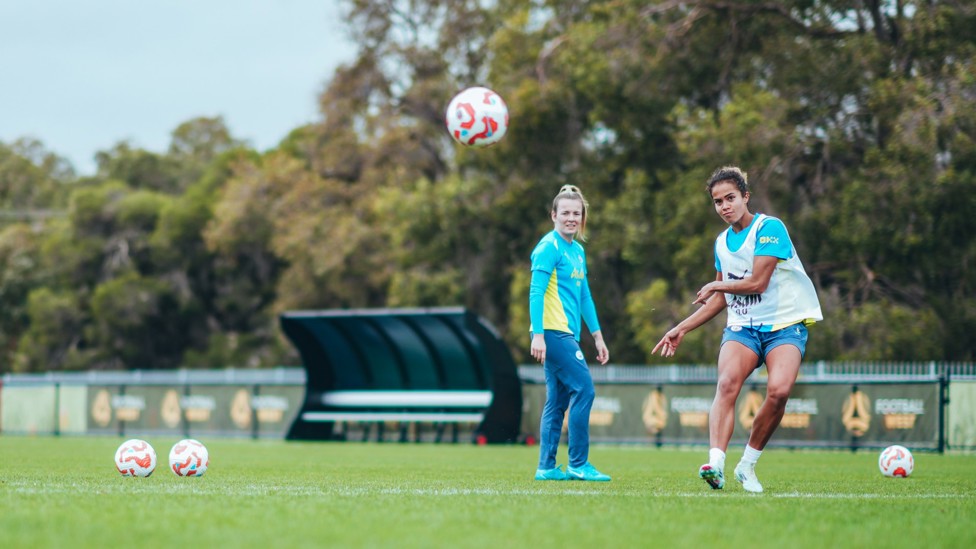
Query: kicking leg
x=735 y=363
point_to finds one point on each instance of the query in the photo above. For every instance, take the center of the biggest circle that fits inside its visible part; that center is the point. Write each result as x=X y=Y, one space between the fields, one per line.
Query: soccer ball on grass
x=477 y=117
x=896 y=461
x=135 y=458
x=189 y=458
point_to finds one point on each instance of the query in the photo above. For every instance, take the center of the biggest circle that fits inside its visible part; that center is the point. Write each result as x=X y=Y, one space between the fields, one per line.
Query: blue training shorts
x=763 y=342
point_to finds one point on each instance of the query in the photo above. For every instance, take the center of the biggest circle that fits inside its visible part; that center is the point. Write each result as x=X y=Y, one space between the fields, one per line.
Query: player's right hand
x=538 y=348
x=669 y=343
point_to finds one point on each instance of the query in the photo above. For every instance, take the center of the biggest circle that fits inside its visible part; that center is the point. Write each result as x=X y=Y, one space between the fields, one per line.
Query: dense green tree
x=34 y=183
x=138 y=168
x=196 y=145
x=18 y=262
x=54 y=338
x=137 y=323
x=855 y=121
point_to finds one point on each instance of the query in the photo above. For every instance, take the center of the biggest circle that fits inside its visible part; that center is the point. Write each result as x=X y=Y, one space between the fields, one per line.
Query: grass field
x=65 y=492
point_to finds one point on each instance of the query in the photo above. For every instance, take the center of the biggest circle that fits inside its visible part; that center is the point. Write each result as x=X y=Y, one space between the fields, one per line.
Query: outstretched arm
x=713 y=305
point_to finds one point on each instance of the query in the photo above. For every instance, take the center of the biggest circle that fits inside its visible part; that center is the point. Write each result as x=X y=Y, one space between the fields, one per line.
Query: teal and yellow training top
x=559 y=294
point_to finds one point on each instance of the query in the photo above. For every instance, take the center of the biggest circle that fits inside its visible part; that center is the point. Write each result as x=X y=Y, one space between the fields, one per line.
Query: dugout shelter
x=435 y=368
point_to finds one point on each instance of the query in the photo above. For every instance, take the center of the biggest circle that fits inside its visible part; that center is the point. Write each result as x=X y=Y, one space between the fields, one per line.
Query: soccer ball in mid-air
x=135 y=458
x=189 y=458
x=477 y=117
x=896 y=461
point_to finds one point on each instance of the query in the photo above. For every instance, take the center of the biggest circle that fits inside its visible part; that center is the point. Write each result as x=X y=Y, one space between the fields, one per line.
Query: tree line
x=856 y=122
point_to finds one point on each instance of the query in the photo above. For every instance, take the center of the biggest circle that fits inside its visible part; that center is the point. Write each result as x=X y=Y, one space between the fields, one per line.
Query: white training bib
x=789 y=298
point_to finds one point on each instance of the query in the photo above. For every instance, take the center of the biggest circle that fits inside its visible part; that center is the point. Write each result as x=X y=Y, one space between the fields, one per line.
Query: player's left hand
x=602 y=353
x=705 y=293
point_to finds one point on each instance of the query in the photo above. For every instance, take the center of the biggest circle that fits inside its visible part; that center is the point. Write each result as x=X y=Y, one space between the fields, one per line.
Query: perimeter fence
x=922 y=405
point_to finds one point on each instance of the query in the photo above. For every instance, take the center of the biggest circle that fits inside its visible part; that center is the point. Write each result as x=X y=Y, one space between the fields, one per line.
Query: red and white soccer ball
x=477 y=117
x=135 y=458
x=189 y=458
x=896 y=461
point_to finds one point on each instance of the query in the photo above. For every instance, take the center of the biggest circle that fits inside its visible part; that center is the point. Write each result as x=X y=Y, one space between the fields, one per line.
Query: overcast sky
x=82 y=75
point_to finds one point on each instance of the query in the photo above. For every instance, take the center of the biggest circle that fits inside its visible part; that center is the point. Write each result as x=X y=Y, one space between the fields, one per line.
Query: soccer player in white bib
x=770 y=300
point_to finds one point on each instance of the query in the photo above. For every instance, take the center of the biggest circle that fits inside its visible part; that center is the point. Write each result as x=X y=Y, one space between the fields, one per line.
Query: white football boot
x=746 y=475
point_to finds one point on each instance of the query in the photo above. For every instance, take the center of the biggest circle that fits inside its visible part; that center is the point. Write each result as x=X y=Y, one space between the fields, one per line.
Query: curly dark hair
x=729 y=173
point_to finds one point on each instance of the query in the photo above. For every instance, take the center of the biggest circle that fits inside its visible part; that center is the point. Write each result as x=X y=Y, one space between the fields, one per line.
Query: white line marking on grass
x=492 y=492
x=449 y=492
x=870 y=496
x=139 y=486
x=799 y=495
x=438 y=492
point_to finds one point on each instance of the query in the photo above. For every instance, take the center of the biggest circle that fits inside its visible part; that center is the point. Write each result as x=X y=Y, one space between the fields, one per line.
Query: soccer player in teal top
x=559 y=296
x=769 y=300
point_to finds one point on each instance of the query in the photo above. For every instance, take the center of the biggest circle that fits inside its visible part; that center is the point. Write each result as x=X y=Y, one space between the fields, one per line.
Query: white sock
x=716 y=458
x=751 y=455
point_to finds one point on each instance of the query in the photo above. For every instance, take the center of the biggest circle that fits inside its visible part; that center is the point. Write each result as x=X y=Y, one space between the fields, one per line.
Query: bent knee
x=584 y=392
x=777 y=394
x=728 y=387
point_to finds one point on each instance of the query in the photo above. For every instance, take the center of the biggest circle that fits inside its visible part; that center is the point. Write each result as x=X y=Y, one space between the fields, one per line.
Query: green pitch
x=65 y=492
